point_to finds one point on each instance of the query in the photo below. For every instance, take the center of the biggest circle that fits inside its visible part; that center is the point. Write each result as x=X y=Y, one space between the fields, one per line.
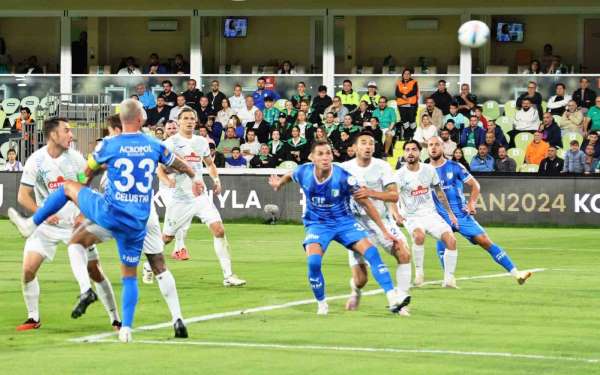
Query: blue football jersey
x=453 y=176
x=329 y=201
x=132 y=159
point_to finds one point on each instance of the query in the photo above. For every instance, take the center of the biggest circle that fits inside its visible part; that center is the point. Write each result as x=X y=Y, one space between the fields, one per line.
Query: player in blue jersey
x=453 y=177
x=328 y=217
x=123 y=210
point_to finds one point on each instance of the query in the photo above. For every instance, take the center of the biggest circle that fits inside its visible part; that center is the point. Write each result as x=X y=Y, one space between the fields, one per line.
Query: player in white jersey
x=419 y=215
x=377 y=182
x=184 y=205
x=46 y=170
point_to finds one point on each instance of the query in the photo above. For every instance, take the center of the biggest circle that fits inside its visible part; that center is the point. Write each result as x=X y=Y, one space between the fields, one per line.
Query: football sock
x=180 y=239
x=52 y=205
x=166 y=283
x=129 y=299
x=403 y=276
x=379 y=270
x=450 y=259
x=107 y=297
x=501 y=257
x=78 y=261
x=222 y=250
x=315 y=276
x=441 y=248
x=418 y=257
x=31 y=294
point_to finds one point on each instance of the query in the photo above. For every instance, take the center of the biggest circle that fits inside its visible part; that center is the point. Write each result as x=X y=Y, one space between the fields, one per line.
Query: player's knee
x=450 y=242
x=218 y=230
x=157 y=263
x=419 y=238
x=403 y=257
x=95 y=272
x=28 y=274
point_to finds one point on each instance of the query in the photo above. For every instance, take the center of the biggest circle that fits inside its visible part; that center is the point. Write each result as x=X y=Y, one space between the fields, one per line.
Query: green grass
x=554 y=315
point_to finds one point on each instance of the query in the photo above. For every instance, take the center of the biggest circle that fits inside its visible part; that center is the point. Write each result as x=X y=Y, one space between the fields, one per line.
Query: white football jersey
x=377 y=175
x=193 y=151
x=46 y=174
x=416 y=190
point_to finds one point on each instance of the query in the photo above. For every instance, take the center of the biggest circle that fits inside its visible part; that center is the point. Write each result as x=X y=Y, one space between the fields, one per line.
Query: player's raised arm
x=277 y=182
x=389 y=195
x=475 y=189
x=444 y=201
x=213 y=173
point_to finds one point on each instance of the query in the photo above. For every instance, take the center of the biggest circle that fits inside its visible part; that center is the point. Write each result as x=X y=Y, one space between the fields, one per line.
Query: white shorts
x=180 y=214
x=432 y=224
x=377 y=238
x=46 y=237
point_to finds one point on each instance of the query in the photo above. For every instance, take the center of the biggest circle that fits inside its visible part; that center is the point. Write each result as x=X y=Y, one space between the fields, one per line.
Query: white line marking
x=204 y=318
x=359 y=349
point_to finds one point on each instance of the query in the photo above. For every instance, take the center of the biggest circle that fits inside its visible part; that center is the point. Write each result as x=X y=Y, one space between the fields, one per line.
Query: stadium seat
x=510 y=109
x=30 y=102
x=2 y=118
x=557 y=119
x=391 y=69
x=544 y=106
x=362 y=69
x=230 y=69
x=264 y=69
x=491 y=110
x=496 y=69
x=523 y=139
x=420 y=110
x=10 y=105
x=7 y=146
x=529 y=168
x=288 y=164
x=570 y=136
x=560 y=153
x=453 y=69
x=280 y=104
x=518 y=155
x=99 y=69
x=469 y=153
x=522 y=69
x=430 y=70
x=13 y=118
x=300 y=69
x=505 y=123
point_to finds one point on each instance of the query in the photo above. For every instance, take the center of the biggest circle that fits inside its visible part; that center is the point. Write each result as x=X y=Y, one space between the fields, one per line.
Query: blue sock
x=441 y=249
x=501 y=257
x=379 y=270
x=129 y=300
x=315 y=276
x=52 y=205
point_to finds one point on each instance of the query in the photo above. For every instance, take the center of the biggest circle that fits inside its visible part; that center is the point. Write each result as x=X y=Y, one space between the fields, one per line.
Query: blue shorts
x=468 y=227
x=346 y=233
x=129 y=240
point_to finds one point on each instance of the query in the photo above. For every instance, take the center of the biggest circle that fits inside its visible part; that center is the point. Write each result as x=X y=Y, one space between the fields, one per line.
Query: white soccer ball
x=473 y=34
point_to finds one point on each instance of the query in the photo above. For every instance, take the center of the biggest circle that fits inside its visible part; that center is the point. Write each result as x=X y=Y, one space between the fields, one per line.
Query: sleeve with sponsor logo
x=166 y=157
x=29 y=172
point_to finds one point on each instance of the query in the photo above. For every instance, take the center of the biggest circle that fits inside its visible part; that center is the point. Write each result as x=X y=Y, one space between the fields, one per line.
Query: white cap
x=371 y=84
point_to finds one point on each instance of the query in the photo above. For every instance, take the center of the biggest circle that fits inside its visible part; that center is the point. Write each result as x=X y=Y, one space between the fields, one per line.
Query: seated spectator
x=482 y=122
x=592 y=139
x=448 y=144
x=371 y=97
x=305 y=107
x=300 y=95
x=454 y=131
x=425 y=130
x=12 y=164
x=204 y=110
x=493 y=146
x=442 y=98
x=277 y=147
x=386 y=115
x=337 y=109
x=535 y=98
x=498 y=133
x=591 y=122
x=537 y=150
x=589 y=162
x=550 y=131
x=320 y=135
x=203 y=132
x=159 y=133
x=215 y=96
x=572 y=119
x=146 y=97
x=574 y=159
x=584 y=96
x=286 y=67
x=270 y=113
x=262 y=92
x=557 y=104
x=349 y=127
x=320 y=103
x=290 y=112
x=482 y=161
x=473 y=135
x=217 y=157
x=160 y=114
x=526 y=120
x=465 y=101
x=180 y=66
x=298 y=147
x=23 y=119
x=552 y=165
x=31 y=66
x=180 y=104
x=130 y=67
x=283 y=127
x=534 y=68
x=556 y=66
x=459 y=157
x=215 y=129
x=231 y=140
x=236 y=160
x=435 y=114
x=457 y=118
x=251 y=147
x=306 y=129
x=226 y=112
x=362 y=114
x=263 y=159
x=505 y=163
x=348 y=97
x=192 y=95
x=341 y=147
x=168 y=93
x=154 y=66
x=237 y=100
x=373 y=127
x=248 y=112
x=261 y=128
x=330 y=125
x=171 y=128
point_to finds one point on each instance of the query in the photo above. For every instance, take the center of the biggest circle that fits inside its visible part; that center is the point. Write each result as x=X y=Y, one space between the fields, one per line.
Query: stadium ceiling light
x=22 y=84
x=20 y=79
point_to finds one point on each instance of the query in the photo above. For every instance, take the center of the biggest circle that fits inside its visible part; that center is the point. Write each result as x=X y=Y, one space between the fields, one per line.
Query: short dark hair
x=250 y=130
x=11 y=150
x=114 y=122
x=574 y=142
x=235 y=149
x=167 y=81
x=412 y=142
x=363 y=133
x=317 y=143
x=261 y=79
x=183 y=96
x=26 y=109
x=561 y=84
x=322 y=88
x=347 y=81
x=51 y=124
x=186 y=109
x=442 y=81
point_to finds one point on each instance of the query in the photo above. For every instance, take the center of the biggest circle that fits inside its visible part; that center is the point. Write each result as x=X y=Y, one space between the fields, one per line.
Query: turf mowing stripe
x=202 y=318
x=358 y=349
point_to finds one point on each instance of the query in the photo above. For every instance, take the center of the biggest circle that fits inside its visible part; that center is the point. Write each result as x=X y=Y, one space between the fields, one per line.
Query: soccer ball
x=473 y=34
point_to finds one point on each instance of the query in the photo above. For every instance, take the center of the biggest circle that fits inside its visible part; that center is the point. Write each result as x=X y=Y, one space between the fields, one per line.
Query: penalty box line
x=203 y=318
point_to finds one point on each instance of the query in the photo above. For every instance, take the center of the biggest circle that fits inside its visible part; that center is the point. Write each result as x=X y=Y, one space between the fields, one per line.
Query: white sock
x=514 y=272
x=166 y=283
x=222 y=251
x=180 y=239
x=31 y=293
x=355 y=291
x=78 y=260
x=450 y=259
x=392 y=297
x=418 y=258
x=403 y=276
x=107 y=297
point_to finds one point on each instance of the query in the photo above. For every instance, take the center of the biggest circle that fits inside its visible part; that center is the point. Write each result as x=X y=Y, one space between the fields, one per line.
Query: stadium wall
x=504 y=199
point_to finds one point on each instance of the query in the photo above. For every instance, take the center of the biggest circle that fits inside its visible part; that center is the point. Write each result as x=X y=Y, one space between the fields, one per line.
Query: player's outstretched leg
x=502 y=258
x=222 y=251
x=78 y=261
x=315 y=276
x=450 y=260
x=418 y=250
x=31 y=290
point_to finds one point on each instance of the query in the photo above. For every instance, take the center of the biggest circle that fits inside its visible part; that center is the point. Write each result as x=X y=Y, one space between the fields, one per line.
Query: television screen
x=235 y=27
x=509 y=32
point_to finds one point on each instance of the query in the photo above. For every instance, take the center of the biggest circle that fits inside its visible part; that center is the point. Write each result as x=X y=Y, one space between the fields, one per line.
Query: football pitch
x=488 y=326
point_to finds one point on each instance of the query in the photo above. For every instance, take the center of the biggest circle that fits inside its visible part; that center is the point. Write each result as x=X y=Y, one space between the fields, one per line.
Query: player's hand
x=197 y=188
x=399 y=219
x=471 y=208
x=361 y=193
x=388 y=236
x=53 y=220
x=217 y=187
x=454 y=220
x=275 y=182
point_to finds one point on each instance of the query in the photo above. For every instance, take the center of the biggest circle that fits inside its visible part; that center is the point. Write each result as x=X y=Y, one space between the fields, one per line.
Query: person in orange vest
x=407 y=97
x=23 y=120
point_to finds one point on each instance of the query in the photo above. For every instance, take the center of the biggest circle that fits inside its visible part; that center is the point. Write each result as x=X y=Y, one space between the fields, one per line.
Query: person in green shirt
x=298 y=147
x=349 y=127
x=371 y=97
x=290 y=112
x=592 y=118
x=270 y=113
x=230 y=141
x=300 y=95
x=282 y=126
x=387 y=120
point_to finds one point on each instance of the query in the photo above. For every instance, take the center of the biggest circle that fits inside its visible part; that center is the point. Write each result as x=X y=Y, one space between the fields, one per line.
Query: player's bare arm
x=163 y=176
x=181 y=166
x=475 y=189
x=374 y=215
x=277 y=182
x=213 y=173
x=444 y=200
x=399 y=219
x=389 y=195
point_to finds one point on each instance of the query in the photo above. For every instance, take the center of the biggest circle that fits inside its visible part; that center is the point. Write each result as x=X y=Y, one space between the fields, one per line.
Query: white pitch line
x=203 y=318
x=359 y=349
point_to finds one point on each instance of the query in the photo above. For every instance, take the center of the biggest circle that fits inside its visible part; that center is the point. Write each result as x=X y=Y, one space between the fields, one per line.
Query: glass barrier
x=283 y=84
x=20 y=86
